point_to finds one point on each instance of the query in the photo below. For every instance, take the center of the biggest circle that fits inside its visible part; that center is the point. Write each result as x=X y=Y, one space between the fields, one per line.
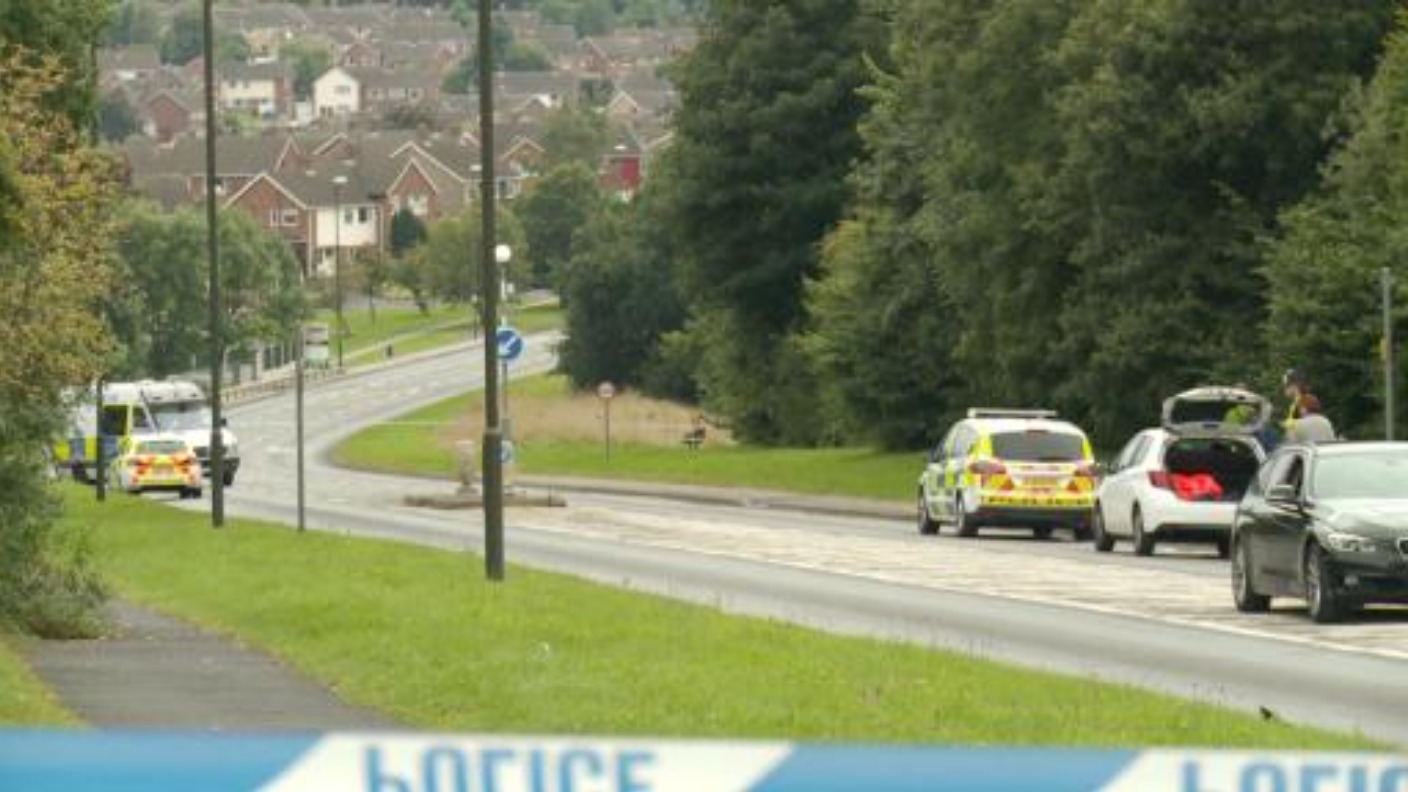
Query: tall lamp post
x=493 y=432
x=217 y=346
x=337 y=184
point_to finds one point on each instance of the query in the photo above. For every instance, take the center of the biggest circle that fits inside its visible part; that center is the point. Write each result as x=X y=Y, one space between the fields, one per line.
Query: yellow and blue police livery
x=1009 y=468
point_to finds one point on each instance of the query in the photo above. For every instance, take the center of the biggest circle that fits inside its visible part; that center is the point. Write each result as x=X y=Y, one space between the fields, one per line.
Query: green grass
x=409 y=331
x=411 y=444
x=418 y=634
x=24 y=701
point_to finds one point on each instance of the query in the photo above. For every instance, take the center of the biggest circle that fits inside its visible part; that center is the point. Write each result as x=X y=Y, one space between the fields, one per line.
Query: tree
x=56 y=233
x=574 y=135
x=66 y=31
x=136 y=22
x=310 y=60
x=407 y=232
x=452 y=254
x=620 y=297
x=553 y=210
x=763 y=137
x=1323 y=270
x=1188 y=128
x=116 y=118
x=166 y=262
x=184 y=40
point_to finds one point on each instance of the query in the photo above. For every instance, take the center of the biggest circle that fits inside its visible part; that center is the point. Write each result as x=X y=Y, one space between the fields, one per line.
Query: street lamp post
x=337 y=184
x=217 y=345
x=493 y=432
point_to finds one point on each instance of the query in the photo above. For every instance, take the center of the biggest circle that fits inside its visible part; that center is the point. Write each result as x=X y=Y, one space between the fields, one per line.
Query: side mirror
x=1283 y=495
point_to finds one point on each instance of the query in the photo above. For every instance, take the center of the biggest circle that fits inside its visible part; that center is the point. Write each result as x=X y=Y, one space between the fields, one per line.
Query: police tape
x=394 y=762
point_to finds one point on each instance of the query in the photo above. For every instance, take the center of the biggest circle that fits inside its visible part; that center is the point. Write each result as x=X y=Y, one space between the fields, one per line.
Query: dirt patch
x=580 y=417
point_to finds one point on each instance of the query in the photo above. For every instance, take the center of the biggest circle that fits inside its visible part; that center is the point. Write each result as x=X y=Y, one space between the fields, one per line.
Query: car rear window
x=161 y=447
x=1035 y=445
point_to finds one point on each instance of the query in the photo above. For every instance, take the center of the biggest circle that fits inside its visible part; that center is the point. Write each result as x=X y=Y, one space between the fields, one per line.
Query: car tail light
x=1188 y=486
x=1087 y=470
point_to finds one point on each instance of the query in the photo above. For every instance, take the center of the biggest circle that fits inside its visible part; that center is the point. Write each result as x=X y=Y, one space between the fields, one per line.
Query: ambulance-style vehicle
x=170 y=407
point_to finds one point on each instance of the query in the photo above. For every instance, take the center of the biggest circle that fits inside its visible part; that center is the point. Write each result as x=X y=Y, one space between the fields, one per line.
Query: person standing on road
x=1305 y=423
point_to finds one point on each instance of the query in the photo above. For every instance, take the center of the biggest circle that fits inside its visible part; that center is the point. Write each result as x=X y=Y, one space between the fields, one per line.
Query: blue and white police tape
x=393 y=762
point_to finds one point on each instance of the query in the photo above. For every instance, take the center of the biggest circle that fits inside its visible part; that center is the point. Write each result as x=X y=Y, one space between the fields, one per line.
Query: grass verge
x=410 y=331
x=24 y=701
x=422 y=443
x=418 y=634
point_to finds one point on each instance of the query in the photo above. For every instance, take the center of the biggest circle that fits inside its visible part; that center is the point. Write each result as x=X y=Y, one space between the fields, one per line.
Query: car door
x=934 y=479
x=1284 y=528
x=956 y=464
x=1116 y=493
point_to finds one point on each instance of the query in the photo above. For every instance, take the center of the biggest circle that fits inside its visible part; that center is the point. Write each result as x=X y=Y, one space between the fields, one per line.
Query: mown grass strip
x=415 y=443
x=419 y=634
x=24 y=700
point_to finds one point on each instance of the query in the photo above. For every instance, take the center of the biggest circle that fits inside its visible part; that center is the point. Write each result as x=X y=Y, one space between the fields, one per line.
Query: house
x=264 y=90
x=383 y=90
x=359 y=54
x=336 y=94
x=168 y=114
x=639 y=95
x=127 y=64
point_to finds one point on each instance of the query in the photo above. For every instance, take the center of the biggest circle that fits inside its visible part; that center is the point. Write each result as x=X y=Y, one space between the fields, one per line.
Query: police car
x=1009 y=468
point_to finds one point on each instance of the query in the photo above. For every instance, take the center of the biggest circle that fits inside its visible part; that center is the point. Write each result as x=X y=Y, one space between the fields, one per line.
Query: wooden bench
x=693 y=438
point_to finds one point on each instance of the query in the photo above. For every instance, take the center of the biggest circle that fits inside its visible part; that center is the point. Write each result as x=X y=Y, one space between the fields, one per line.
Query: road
x=1164 y=623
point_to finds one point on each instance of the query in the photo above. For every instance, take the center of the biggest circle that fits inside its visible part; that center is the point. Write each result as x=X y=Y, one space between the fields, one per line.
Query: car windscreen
x=1368 y=475
x=1038 y=446
x=161 y=447
x=180 y=416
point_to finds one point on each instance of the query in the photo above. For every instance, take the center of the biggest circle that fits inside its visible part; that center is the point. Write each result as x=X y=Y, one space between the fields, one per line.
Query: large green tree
x=1323 y=272
x=765 y=132
x=67 y=30
x=620 y=295
x=453 y=259
x=166 y=321
x=56 y=272
x=1189 y=126
x=552 y=211
x=944 y=290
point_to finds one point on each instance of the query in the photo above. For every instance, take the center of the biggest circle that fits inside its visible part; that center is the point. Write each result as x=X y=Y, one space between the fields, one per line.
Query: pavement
x=153 y=671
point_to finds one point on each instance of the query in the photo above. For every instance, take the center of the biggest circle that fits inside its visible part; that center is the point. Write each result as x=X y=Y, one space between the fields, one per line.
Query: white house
x=336 y=93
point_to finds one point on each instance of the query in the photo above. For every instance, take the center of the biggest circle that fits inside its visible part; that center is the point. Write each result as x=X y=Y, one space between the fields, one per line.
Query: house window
x=289 y=217
x=362 y=214
x=420 y=205
x=343 y=90
x=347 y=216
x=273 y=217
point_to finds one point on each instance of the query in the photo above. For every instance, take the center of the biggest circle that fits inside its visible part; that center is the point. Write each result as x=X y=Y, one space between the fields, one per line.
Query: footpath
x=153 y=671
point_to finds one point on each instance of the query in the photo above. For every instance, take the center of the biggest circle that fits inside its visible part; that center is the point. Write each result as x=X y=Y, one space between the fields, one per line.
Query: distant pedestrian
x=1305 y=422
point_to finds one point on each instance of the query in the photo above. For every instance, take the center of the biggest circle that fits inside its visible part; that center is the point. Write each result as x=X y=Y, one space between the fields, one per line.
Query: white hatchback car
x=1182 y=482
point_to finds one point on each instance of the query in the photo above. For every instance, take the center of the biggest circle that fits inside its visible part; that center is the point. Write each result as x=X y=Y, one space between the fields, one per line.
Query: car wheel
x=1143 y=541
x=1224 y=547
x=1322 y=596
x=1042 y=533
x=1104 y=543
x=962 y=522
x=927 y=526
x=1243 y=594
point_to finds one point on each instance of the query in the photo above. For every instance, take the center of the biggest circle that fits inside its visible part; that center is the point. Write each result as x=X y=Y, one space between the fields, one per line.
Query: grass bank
x=563 y=433
x=408 y=330
x=418 y=634
x=24 y=700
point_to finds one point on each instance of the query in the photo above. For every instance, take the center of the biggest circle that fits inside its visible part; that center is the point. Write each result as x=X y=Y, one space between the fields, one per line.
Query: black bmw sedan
x=1327 y=524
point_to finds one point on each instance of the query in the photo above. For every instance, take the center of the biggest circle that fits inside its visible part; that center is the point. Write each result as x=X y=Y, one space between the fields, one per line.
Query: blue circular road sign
x=510 y=344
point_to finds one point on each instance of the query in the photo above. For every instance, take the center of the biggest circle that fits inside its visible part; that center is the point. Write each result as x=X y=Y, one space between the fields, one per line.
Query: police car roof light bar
x=998 y=412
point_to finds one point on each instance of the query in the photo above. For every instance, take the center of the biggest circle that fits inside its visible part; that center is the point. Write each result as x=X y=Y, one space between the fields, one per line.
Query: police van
x=173 y=407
